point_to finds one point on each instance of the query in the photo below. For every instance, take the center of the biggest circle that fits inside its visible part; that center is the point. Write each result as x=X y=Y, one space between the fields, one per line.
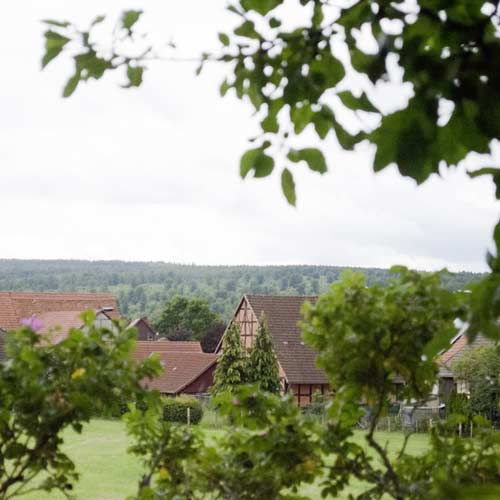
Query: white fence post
x=189 y=416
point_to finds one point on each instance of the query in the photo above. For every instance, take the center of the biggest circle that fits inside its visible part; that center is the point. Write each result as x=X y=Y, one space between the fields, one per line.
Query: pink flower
x=32 y=322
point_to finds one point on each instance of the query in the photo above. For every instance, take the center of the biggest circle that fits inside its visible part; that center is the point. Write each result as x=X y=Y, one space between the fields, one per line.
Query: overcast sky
x=152 y=173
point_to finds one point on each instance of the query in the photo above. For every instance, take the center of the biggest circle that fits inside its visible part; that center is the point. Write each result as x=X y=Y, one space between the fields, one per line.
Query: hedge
x=175 y=409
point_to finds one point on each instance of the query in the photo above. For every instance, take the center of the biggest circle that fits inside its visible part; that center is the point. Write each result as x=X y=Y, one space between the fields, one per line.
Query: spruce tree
x=231 y=368
x=262 y=362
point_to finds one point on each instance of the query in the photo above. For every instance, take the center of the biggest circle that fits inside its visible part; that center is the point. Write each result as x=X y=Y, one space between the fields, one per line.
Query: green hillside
x=142 y=287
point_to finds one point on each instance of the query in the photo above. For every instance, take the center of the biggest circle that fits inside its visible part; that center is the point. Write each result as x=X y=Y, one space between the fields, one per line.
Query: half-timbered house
x=297 y=368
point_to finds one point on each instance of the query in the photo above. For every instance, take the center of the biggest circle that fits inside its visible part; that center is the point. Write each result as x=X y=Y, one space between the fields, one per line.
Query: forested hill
x=142 y=287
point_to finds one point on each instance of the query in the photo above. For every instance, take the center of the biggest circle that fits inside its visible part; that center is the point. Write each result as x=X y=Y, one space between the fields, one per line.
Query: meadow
x=109 y=473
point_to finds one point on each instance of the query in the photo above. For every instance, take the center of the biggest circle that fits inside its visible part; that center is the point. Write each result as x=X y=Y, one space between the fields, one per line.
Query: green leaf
x=270 y=122
x=493 y=171
x=258 y=161
x=318 y=15
x=288 y=186
x=247 y=29
x=130 y=17
x=326 y=71
x=55 y=40
x=54 y=44
x=312 y=156
x=224 y=39
x=301 y=117
x=15 y=450
x=224 y=87
x=260 y=6
x=134 y=74
x=71 y=85
x=274 y=23
x=323 y=121
x=50 y=54
x=484 y=171
x=97 y=20
x=59 y=24
x=357 y=103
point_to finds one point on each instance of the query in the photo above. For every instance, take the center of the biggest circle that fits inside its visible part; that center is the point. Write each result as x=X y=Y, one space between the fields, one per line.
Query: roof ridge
x=14 y=294
x=279 y=296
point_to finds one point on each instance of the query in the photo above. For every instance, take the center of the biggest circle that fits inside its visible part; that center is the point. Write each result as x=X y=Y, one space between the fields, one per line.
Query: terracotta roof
x=57 y=324
x=180 y=370
x=283 y=315
x=14 y=306
x=143 y=348
x=460 y=346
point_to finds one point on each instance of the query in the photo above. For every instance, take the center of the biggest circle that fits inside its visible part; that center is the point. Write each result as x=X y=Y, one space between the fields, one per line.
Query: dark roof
x=180 y=369
x=283 y=315
x=14 y=306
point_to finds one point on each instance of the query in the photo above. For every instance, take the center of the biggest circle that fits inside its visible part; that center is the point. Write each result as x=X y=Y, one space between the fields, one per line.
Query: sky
x=152 y=174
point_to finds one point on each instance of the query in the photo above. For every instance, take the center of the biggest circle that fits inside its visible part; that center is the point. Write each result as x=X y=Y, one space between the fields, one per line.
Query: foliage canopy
x=232 y=367
x=186 y=319
x=480 y=369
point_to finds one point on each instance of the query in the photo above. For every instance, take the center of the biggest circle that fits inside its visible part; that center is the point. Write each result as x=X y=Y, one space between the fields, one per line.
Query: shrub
x=175 y=409
x=458 y=404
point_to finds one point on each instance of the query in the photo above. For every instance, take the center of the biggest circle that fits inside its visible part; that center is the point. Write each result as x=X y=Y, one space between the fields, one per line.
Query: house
x=57 y=312
x=144 y=329
x=447 y=381
x=297 y=368
x=459 y=346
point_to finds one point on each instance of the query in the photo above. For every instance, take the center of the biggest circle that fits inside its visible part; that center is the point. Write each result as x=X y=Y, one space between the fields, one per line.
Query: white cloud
x=152 y=174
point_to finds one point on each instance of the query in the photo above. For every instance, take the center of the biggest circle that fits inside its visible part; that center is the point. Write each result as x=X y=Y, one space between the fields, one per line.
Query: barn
x=298 y=371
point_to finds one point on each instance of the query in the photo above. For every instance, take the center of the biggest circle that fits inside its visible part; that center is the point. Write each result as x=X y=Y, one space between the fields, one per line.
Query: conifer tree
x=231 y=368
x=262 y=362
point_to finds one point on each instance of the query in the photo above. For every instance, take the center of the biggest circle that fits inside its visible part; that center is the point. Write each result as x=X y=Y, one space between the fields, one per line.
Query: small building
x=144 y=329
x=297 y=367
x=184 y=373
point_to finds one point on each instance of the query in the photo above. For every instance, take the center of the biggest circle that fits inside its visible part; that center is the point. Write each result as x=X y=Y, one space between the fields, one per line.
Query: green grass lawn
x=109 y=473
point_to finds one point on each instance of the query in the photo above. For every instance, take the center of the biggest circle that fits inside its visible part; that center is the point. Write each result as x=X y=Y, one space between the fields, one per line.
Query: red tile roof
x=14 y=306
x=180 y=370
x=57 y=324
x=144 y=348
x=460 y=346
x=283 y=315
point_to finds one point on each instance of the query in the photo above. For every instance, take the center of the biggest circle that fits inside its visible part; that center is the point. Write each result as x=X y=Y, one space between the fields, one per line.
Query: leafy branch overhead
x=449 y=53
x=91 y=60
